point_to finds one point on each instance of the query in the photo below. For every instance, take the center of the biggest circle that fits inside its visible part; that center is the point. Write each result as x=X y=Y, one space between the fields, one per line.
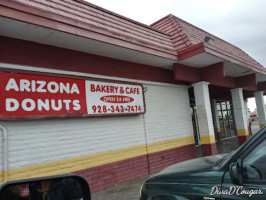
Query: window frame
x=246 y=153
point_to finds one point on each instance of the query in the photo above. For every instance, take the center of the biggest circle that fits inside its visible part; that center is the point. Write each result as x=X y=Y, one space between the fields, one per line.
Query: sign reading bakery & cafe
x=34 y=96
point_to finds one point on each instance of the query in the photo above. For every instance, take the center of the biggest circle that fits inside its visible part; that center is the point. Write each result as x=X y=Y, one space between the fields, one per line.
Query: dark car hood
x=199 y=164
x=188 y=171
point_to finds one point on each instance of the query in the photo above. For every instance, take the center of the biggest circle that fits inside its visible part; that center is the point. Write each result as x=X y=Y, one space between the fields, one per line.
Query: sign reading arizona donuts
x=34 y=96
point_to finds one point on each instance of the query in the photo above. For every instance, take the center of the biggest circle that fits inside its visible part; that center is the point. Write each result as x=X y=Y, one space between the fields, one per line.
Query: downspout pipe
x=5 y=151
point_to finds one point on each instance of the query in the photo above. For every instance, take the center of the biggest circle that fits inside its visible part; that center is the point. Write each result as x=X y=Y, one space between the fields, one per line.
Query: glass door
x=226 y=119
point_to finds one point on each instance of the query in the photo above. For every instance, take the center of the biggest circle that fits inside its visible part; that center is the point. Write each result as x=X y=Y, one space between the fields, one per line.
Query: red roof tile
x=170 y=26
x=184 y=34
x=84 y=15
x=165 y=37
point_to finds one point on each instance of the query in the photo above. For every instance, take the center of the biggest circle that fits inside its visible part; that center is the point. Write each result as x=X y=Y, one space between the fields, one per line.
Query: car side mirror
x=62 y=187
x=235 y=173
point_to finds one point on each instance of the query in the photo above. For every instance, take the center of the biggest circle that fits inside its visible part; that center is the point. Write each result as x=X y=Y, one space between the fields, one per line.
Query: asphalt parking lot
x=131 y=189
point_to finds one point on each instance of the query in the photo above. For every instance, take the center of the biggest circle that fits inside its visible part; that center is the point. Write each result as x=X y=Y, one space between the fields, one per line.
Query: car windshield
x=220 y=163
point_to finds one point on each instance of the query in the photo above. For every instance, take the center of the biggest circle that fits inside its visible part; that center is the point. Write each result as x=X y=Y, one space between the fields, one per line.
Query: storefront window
x=226 y=119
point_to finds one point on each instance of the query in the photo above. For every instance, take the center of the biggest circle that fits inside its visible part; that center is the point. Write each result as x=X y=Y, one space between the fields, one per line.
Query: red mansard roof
x=83 y=15
x=170 y=37
x=185 y=35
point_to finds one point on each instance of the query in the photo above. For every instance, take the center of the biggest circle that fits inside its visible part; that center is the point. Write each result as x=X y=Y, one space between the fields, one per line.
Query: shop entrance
x=226 y=119
x=225 y=116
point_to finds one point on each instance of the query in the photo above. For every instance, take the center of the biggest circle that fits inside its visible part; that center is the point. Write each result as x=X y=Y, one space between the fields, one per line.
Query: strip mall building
x=88 y=91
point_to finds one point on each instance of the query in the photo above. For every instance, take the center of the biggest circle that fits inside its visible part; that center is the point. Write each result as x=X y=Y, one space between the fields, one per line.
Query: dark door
x=195 y=124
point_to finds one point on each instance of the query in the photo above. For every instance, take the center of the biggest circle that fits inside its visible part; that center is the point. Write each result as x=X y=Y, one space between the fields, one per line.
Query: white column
x=240 y=114
x=260 y=108
x=204 y=113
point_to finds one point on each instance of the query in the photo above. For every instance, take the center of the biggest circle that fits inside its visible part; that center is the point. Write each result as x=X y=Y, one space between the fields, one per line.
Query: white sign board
x=105 y=98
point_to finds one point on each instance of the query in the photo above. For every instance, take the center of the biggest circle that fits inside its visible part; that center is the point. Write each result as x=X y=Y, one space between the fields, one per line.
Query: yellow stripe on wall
x=170 y=144
x=207 y=139
x=262 y=125
x=94 y=160
x=76 y=164
x=242 y=132
x=2 y=177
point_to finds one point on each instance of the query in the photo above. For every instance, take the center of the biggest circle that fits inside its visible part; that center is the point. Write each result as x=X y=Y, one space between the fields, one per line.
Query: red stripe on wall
x=160 y=160
x=15 y=51
x=242 y=139
x=108 y=175
x=208 y=149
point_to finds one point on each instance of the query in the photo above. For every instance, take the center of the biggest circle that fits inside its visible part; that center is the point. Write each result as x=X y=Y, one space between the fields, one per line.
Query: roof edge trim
x=22 y=16
x=229 y=57
x=210 y=49
x=191 y=51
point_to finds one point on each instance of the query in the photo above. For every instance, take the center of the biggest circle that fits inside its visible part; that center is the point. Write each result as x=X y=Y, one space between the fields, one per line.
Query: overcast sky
x=240 y=22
